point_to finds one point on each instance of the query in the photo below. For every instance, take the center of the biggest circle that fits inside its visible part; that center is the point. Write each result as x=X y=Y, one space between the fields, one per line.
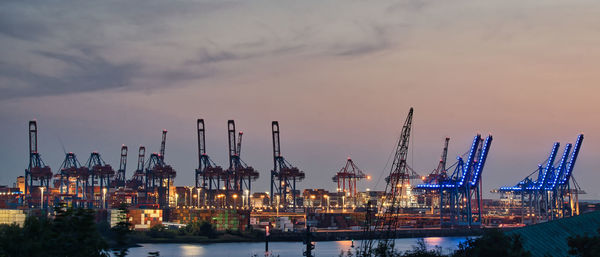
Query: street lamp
x=235 y=196
x=104 y=198
x=278 y=206
x=198 y=194
x=247 y=197
x=327 y=197
x=190 y=203
x=42 y=198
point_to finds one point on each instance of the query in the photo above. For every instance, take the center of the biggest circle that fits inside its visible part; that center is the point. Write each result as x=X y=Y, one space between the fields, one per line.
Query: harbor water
x=282 y=249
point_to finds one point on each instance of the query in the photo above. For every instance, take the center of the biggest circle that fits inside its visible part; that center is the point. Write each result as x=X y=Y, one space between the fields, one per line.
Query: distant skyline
x=339 y=76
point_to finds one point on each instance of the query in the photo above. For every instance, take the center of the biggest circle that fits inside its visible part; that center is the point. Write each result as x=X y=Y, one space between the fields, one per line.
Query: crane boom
x=122 y=167
x=482 y=158
x=141 y=157
x=232 y=145
x=399 y=171
x=32 y=137
x=559 y=171
x=239 y=144
x=201 y=141
x=442 y=165
x=572 y=160
x=163 y=145
x=542 y=178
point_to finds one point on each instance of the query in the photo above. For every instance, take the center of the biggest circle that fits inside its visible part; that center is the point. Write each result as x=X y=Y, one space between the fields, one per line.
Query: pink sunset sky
x=339 y=76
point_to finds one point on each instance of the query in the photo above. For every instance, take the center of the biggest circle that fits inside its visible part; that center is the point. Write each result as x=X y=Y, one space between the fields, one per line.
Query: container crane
x=37 y=174
x=283 y=176
x=159 y=177
x=462 y=189
x=239 y=175
x=70 y=171
x=98 y=169
x=346 y=179
x=208 y=174
x=119 y=180
x=137 y=180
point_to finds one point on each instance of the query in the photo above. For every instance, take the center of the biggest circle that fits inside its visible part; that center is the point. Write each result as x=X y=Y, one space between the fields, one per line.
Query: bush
x=421 y=250
x=203 y=228
x=493 y=243
x=584 y=246
x=160 y=231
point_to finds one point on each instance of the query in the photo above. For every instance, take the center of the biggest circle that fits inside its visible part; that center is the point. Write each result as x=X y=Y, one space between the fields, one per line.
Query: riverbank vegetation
x=493 y=243
x=75 y=233
x=72 y=233
x=195 y=232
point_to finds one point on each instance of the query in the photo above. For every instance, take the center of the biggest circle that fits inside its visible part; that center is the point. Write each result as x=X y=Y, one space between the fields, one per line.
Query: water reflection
x=192 y=250
x=283 y=249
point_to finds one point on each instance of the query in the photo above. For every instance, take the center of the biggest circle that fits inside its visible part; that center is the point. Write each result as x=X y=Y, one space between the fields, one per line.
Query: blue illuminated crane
x=460 y=191
x=565 y=180
x=544 y=197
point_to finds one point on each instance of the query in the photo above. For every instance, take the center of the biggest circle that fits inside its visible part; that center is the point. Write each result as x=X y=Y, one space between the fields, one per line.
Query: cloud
x=78 y=46
x=12 y=25
x=206 y=56
x=377 y=38
x=83 y=72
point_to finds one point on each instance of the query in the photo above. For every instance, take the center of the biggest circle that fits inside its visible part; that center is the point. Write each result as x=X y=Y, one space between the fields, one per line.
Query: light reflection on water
x=282 y=249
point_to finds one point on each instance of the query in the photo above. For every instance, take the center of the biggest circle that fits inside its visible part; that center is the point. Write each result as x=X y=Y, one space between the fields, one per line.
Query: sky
x=339 y=76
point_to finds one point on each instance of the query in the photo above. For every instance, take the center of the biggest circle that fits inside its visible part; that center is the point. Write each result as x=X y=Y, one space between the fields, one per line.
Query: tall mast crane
x=120 y=178
x=208 y=174
x=399 y=177
x=37 y=170
x=283 y=176
x=395 y=191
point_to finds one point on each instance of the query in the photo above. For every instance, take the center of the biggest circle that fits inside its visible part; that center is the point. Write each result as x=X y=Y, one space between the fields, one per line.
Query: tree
x=72 y=233
x=75 y=234
x=121 y=232
x=584 y=246
x=493 y=243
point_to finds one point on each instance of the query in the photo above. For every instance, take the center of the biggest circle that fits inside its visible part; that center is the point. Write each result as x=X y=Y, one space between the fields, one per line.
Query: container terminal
x=448 y=198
